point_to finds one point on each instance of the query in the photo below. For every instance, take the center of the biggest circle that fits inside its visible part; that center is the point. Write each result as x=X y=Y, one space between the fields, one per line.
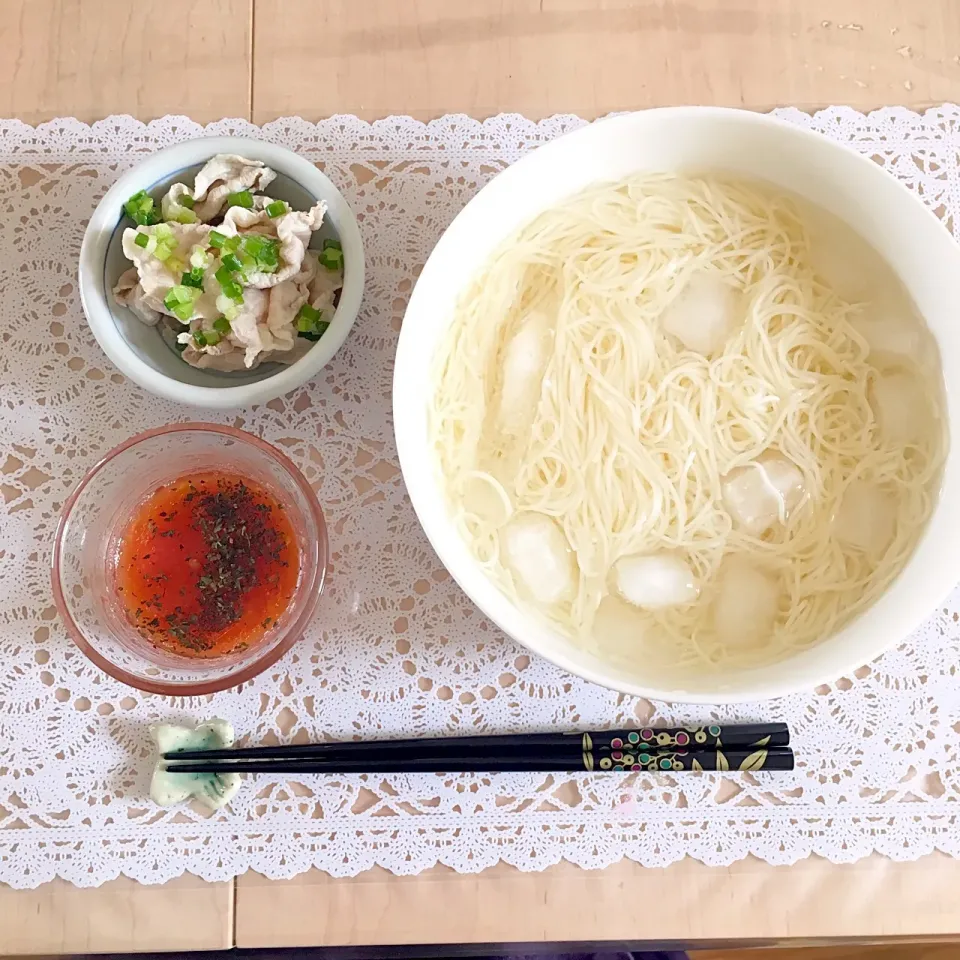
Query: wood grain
x=91 y=58
x=747 y=902
x=120 y=916
x=538 y=57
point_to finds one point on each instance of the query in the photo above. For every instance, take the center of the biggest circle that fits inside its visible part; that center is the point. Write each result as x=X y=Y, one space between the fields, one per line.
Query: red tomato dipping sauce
x=207 y=564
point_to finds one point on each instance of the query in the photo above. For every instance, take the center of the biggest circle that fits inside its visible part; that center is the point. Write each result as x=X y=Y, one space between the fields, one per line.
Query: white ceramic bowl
x=139 y=351
x=745 y=144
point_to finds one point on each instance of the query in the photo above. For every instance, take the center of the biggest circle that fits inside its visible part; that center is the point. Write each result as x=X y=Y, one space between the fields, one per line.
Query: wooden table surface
x=261 y=59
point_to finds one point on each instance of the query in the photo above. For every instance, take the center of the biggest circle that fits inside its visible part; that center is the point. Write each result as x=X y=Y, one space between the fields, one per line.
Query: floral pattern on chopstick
x=686 y=749
x=679 y=760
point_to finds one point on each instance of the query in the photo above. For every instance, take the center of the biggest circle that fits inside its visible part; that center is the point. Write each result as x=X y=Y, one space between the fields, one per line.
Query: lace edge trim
x=79 y=874
x=102 y=126
x=20 y=140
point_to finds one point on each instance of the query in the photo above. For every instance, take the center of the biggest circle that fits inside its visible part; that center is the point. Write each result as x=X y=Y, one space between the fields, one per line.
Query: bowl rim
x=109 y=212
x=294 y=631
x=435 y=521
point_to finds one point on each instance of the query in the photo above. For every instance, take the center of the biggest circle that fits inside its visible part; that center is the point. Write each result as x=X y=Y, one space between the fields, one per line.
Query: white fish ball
x=745 y=608
x=525 y=359
x=540 y=556
x=655 y=580
x=900 y=406
x=703 y=315
x=866 y=519
x=759 y=493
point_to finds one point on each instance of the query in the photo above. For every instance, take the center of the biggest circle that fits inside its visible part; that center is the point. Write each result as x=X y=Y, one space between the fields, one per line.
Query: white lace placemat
x=396 y=647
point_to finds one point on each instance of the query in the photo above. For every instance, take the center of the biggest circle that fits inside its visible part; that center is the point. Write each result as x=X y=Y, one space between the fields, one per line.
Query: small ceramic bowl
x=138 y=350
x=92 y=524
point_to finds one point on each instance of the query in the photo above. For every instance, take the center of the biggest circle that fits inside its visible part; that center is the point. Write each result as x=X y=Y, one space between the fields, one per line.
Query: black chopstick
x=659 y=761
x=601 y=742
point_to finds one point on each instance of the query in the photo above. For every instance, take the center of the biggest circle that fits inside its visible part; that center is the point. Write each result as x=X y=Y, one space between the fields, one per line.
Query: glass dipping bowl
x=88 y=540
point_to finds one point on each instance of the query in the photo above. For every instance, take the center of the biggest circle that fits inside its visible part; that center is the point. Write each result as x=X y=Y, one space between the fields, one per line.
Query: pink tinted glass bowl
x=93 y=521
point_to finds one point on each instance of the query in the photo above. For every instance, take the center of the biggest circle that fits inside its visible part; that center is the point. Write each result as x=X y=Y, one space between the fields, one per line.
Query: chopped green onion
x=194 y=278
x=276 y=209
x=308 y=314
x=231 y=244
x=309 y=323
x=234 y=291
x=175 y=265
x=316 y=333
x=139 y=208
x=200 y=258
x=264 y=250
x=187 y=201
x=149 y=244
x=231 y=288
x=221 y=325
x=217 y=239
x=180 y=301
x=180 y=294
x=186 y=216
x=206 y=338
x=231 y=262
x=258 y=246
x=166 y=242
x=243 y=198
x=331 y=256
x=227 y=307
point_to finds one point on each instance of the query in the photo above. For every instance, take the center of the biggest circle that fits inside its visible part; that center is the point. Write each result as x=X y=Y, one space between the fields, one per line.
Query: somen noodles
x=674 y=421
